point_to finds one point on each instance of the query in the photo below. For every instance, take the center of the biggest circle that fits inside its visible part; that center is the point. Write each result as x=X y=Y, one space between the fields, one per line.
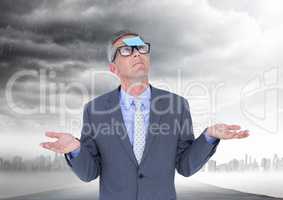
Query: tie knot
x=138 y=104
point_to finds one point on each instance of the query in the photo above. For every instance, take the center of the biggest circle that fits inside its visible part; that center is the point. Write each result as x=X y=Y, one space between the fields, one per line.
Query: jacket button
x=141 y=176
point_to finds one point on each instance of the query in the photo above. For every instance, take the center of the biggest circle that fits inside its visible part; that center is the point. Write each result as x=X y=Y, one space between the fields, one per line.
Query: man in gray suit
x=136 y=136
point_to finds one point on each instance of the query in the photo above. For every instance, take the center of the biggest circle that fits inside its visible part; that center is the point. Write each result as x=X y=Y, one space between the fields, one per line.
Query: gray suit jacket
x=106 y=151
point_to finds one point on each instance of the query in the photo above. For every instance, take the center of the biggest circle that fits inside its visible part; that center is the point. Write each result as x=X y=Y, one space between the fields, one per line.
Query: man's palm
x=225 y=131
x=65 y=143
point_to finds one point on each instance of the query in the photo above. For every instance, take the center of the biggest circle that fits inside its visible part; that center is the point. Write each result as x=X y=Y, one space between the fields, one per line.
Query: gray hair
x=111 y=50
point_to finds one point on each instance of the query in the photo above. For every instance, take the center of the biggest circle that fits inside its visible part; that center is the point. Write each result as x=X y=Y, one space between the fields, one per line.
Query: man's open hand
x=224 y=131
x=65 y=143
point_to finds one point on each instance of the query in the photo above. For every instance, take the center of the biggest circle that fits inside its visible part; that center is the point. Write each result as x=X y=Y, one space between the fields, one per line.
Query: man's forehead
x=130 y=40
x=120 y=42
x=136 y=41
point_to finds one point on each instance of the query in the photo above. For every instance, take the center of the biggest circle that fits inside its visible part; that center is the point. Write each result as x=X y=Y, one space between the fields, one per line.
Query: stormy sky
x=53 y=60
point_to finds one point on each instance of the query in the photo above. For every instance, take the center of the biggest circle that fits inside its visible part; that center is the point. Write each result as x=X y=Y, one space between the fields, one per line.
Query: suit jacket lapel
x=121 y=131
x=154 y=119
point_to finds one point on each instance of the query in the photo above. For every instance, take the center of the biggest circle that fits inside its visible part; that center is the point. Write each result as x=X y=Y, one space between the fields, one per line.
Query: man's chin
x=140 y=76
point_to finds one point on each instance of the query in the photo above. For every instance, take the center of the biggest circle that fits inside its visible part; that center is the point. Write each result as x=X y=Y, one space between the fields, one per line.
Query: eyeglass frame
x=133 y=47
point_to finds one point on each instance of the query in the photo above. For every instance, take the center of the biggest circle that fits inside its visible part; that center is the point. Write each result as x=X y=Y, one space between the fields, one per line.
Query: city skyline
x=58 y=163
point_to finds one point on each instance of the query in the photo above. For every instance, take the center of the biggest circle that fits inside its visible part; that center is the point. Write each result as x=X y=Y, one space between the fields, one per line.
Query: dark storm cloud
x=33 y=78
x=66 y=24
x=18 y=7
x=57 y=32
x=17 y=49
x=69 y=37
x=191 y=36
x=49 y=18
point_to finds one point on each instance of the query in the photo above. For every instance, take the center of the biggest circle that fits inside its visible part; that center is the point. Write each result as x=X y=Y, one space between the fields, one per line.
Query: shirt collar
x=126 y=99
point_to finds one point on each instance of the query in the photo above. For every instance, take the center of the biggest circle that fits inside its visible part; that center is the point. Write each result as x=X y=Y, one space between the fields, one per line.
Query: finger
x=233 y=127
x=52 y=146
x=53 y=134
x=243 y=134
x=240 y=134
x=229 y=134
x=47 y=145
x=58 y=146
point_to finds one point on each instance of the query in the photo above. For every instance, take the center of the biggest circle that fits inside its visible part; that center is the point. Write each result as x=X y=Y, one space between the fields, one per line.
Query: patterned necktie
x=139 y=132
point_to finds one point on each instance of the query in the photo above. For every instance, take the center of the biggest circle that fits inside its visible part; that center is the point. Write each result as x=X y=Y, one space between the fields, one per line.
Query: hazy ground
x=67 y=186
x=266 y=183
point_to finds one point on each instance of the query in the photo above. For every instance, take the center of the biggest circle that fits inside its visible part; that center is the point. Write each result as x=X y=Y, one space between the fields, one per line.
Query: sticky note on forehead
x=133 y=41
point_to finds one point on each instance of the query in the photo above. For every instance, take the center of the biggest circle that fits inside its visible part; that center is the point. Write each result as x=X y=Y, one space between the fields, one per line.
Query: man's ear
x=113 y=68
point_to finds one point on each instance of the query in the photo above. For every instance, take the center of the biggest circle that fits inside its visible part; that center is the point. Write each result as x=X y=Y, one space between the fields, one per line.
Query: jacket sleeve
x=192 y=153
x=87 y=164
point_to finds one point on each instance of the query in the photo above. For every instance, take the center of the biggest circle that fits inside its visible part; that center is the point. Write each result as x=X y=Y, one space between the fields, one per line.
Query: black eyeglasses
x=128 y=50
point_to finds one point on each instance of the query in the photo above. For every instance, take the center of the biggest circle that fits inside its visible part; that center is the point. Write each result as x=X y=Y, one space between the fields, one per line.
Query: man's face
x=132 y=67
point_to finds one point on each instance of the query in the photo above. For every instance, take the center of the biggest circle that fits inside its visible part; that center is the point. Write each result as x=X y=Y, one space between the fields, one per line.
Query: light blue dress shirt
x=128 y=112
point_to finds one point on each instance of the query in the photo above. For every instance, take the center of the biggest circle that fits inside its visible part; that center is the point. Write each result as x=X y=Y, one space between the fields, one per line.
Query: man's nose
x=136 y=52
